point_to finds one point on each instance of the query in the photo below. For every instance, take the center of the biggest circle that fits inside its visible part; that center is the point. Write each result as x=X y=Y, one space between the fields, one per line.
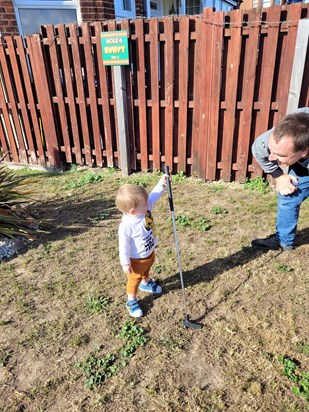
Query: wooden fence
x=199 y=90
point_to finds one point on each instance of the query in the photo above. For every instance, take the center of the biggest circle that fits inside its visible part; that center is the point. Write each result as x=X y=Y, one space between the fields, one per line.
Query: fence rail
x=199 y=90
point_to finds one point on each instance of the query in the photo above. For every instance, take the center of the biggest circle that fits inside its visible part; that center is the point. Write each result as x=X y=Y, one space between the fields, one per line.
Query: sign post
x=115 y=52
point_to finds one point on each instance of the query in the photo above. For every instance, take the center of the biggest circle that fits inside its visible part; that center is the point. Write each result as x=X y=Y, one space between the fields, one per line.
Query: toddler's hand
x=127 y=269
x=164 y=179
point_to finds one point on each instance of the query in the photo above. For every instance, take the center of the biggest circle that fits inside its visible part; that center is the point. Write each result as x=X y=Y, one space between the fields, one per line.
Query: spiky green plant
x=12 y=194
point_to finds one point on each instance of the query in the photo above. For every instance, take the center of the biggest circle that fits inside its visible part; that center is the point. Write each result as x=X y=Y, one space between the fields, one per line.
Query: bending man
x=287 y=145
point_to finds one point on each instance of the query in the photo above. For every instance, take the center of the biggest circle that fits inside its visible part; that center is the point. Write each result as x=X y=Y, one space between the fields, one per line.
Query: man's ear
x=305 y=153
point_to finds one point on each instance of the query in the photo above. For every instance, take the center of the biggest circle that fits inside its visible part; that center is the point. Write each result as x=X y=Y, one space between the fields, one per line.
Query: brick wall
x=8 y=24
x=96 y=10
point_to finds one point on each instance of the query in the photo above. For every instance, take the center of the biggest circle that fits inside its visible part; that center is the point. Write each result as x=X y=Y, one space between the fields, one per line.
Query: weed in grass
x=97 y=369
x=110 y=170
x=258 y=184
x=203 y=224
x=283 y=268
x=97 y=304
x=138 y=183
x=300 y=379
x=183 y=220
x=178 y=177
x=158 y=269
x=5 y=356
x=213 y=187
x=217 y=210
x=84 y=180
x=134 y=337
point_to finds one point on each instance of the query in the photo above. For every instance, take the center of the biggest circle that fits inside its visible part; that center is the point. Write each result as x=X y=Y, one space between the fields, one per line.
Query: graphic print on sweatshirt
x=149 y=225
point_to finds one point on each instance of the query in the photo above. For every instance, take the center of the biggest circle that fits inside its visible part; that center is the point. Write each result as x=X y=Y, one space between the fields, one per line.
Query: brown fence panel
x=183 y=92
x=230 y=92
x=250 y=54
x=169 y=91
x=141 y=93
x=8 y=64
x=44 y=99
x=199 y=90
x=6 y=124
x=154 y=87
x=214 y=96
x=103 y=100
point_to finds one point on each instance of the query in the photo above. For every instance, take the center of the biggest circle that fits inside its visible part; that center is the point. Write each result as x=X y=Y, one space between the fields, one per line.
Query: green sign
x=115 y=50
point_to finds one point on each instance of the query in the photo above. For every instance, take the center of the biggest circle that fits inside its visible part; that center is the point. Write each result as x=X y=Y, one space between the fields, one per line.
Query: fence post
x=122 y=118
x=298 y=65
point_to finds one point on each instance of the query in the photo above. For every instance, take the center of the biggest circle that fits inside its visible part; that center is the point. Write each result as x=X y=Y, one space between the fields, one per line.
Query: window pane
x=193 y=7
x=32 y=19
x=127 y=5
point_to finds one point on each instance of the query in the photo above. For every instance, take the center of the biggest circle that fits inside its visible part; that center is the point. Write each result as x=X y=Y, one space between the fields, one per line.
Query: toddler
x=137 y=239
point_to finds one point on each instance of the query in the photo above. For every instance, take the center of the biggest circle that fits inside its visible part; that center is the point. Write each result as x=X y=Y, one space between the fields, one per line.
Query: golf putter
x=187 y=323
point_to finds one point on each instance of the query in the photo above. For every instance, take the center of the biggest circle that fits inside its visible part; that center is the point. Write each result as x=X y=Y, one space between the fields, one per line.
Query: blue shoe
x=134 y=309
x=151 y=287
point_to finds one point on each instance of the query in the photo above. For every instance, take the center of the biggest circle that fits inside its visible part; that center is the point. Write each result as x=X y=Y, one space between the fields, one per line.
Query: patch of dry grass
x=253 y=305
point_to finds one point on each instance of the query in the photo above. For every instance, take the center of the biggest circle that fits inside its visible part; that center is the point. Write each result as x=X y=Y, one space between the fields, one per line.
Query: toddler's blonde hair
x=129 y=197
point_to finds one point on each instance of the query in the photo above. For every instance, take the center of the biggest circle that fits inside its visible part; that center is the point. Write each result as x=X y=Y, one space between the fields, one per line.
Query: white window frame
x=45 y=4
x=124 y=14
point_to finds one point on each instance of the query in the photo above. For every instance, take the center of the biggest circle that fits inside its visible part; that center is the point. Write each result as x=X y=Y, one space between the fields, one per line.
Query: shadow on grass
x=66 y=217
x=210 y=270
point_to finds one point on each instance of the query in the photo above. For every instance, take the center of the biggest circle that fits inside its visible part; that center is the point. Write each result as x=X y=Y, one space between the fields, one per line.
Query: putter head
x=191 y=325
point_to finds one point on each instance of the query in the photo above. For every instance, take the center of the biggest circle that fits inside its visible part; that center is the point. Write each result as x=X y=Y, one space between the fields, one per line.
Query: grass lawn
x=67 y=342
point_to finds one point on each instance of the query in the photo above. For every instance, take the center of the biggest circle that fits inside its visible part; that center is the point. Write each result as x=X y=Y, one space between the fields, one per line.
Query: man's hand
x=127 y=269
x=284 y=184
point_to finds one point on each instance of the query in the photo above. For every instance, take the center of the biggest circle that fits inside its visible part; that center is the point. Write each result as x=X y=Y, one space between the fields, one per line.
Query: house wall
x=96 y=10
x=91 y=10
x=8 y=23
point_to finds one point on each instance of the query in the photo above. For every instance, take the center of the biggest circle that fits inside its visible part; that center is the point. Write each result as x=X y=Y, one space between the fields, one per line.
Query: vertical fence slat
x=80 y=100
x=204 y=98
x=14 y=115
x=268 y=60
x=125 y=25
x=93 y=107
x=21 y=99
x=44 y=99
x=37 y=136
x=215 y=89
x=141 y=87
x=155 y=102
x=233 y=60
x=249 y=73
x=111 y=26
x=199 y=55
x=3 y=106
x=169 y=90
x=183 y=92
x=51 y=41
x=208 y=17
x=63 y=43
x=102 y=83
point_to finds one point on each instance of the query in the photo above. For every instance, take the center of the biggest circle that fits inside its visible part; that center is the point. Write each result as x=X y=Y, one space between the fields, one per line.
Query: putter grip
x=169 y=189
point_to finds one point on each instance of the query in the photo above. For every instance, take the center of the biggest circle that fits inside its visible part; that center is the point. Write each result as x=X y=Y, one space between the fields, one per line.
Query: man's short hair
x=295 y=125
